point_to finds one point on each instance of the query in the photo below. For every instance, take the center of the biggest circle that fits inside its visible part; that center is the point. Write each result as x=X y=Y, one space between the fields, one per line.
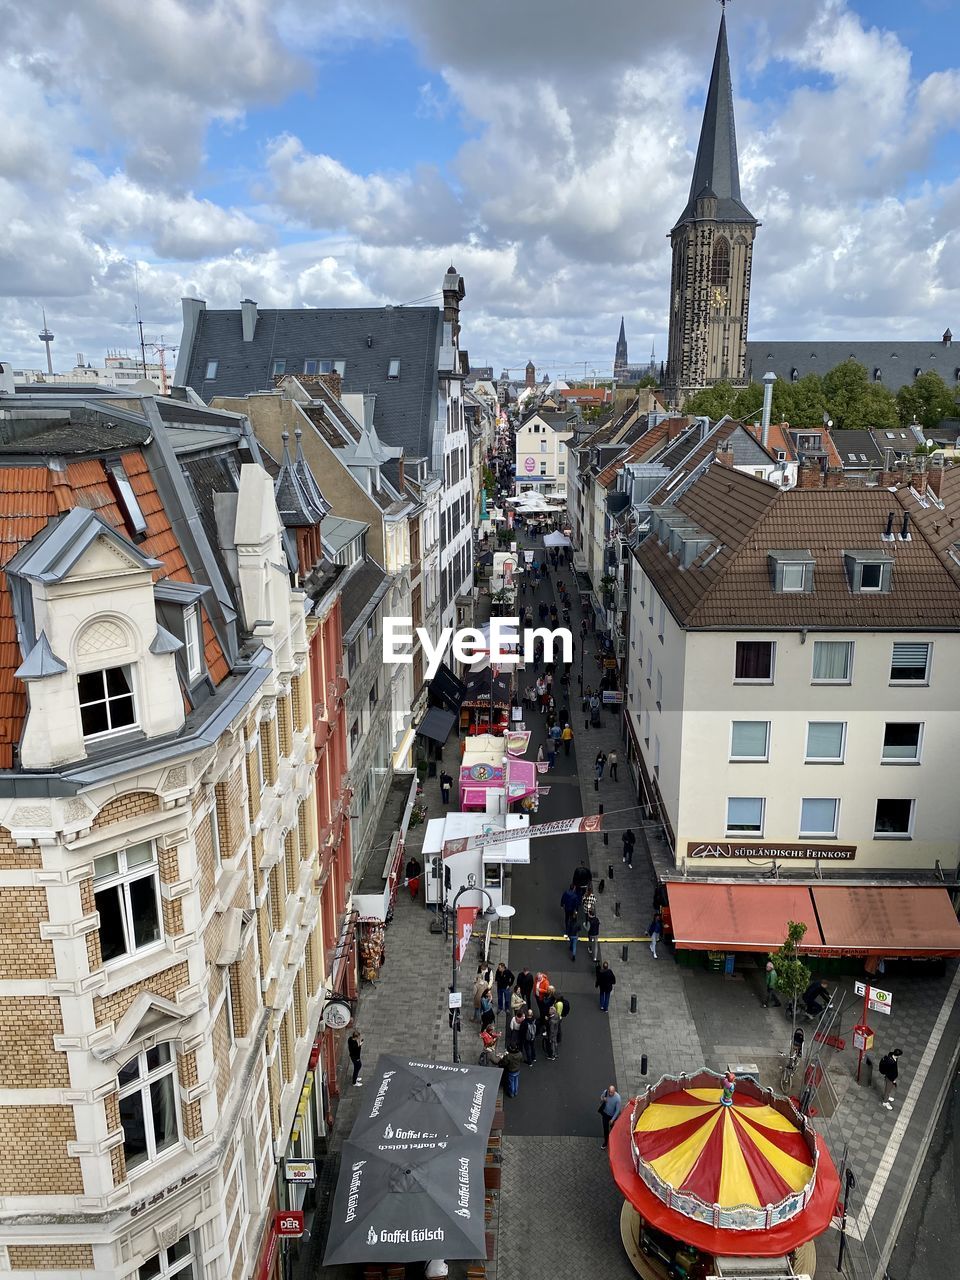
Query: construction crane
x=160 y=349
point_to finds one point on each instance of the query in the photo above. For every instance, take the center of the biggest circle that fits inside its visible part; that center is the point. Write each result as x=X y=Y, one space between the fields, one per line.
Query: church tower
x=620 y=362
x=712 y=252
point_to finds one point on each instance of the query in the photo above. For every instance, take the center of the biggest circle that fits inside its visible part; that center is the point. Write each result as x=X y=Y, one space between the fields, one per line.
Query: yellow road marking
x=562 y=937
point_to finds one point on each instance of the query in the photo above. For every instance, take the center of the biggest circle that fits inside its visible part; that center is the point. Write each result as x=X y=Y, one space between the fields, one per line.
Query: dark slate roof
x=861 y=445
x=406 y=407
x=82 y=431
x=717 y=172
x=362 y=591
x=730 y=588
x=895 y=359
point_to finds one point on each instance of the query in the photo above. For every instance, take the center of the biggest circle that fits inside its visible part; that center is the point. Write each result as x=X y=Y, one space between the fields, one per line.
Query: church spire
x=717 y=172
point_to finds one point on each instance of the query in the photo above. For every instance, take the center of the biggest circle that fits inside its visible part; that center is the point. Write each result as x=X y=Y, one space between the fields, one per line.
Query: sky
x=346 y=152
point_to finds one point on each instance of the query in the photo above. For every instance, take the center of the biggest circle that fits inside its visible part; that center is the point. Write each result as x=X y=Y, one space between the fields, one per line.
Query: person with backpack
x=890 y=1069
x=606 y=981
x=563 y=1010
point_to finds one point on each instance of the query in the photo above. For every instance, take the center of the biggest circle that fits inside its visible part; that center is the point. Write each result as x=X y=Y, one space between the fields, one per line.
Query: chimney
x=905 y=527
x=888 y=532
x=768 y=380
x=809 y=475
x=333 y=382
x=676 y=427
x=453 y=294
x=248 y=319
x=935 y=475
x=725 y=455
x=833 y=478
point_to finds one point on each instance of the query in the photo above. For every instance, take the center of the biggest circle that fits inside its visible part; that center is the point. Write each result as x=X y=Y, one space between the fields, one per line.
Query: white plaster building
x=540 y=452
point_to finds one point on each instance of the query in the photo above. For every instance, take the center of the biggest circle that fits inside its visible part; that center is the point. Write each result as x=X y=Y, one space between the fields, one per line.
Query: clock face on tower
x=719 y=297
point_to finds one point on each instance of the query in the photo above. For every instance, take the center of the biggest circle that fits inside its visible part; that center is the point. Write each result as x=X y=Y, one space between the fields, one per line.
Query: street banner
x=465 y=919
x=612 y=697
x=563 y=827
x=517 y=742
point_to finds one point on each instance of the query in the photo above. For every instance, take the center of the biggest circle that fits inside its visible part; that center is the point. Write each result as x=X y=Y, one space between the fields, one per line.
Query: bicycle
x=790 y=1061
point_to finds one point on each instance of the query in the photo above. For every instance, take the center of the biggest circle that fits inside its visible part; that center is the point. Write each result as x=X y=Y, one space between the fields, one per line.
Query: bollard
x=616 y=909
x=601 y=886
x=596 y=785
x=633 y=1004
x=643 y=1064
x=610 y=872
x=606 y=837
x=624 y=952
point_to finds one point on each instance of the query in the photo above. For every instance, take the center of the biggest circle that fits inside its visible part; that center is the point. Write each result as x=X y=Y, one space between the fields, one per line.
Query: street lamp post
x=491 y=913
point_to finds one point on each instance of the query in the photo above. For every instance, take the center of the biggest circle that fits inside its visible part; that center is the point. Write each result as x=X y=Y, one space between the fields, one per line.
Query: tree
x=809 y=401
x=711 y=402
x=927 y=399
x=748 y=401
x=854 y=402
x=793 y=976
x=648 y=380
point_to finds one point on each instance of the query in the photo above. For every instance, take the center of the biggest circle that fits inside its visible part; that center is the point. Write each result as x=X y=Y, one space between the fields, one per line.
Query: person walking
x=599 y=764
x=412 y=872
x=355 y=1050
x=612 y=762
x=503 y=980
x=569 y=901
x=553 y=1033
x=582 y=878
x=529 y=1042
x=551 y=755
x=610 y=1107
x=446 y=782
x=890 y=1069
x=655 y=930
x=572 y=930
x=606 y=981
x=593 y=933
x=629 y=840
x=567 y=738
x=480 y=985
x=511 y=1062
x=770 y=986
x=589 y=901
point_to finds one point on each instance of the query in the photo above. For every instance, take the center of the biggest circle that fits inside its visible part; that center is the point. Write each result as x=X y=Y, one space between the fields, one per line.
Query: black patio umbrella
x=406 y=1100
x=407 y=1205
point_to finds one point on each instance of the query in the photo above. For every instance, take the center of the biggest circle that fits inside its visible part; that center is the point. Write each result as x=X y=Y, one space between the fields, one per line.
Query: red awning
x=739 y=917
x=887 y=921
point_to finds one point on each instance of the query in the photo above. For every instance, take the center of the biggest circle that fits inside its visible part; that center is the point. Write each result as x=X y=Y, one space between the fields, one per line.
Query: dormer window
x=277 y=367
x=794 y=375
x=107 y=702
x=193 y=647
x=868 y=572
x=791 y=572
x=878 y=375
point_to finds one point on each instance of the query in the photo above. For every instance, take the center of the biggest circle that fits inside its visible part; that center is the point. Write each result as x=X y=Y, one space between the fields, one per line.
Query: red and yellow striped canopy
x=745 y=1154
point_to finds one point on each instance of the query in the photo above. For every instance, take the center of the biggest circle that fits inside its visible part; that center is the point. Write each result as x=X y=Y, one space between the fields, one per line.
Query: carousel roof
x=749 y=1153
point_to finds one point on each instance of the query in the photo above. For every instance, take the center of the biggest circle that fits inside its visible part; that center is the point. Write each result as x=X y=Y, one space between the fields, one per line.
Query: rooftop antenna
x=160 y=349
x=143 y=348
x=46 y=337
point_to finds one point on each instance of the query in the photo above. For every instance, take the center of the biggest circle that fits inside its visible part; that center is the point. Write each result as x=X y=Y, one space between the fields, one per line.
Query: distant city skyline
x=345 y=156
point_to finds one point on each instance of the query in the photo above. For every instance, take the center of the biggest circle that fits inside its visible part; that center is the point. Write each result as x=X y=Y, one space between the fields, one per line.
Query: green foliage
x=648 y=380
x=854 y=402
x=712 y=402
x=927 y=399
x=793 y=976
x=489 y=482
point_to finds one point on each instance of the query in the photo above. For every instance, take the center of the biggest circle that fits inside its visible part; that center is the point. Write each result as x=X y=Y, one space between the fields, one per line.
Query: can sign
x=289 y=1222
x=300 y=1170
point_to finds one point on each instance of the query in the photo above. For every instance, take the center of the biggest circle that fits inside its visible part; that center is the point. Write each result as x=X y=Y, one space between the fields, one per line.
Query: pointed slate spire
x=623 y=333
x=717 y=172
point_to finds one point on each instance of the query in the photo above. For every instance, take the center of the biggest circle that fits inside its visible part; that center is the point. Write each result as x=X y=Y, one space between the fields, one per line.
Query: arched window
x=720 y=262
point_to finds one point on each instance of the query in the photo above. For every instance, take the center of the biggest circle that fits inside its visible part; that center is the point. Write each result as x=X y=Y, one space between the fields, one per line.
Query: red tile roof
x=32 y=495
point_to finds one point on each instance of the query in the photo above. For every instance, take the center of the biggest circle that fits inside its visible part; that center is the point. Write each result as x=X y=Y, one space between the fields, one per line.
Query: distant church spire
x=620 y=360
x=712 y=244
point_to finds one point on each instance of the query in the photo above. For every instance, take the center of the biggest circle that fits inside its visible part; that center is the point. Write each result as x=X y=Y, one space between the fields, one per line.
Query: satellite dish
x=929 y=444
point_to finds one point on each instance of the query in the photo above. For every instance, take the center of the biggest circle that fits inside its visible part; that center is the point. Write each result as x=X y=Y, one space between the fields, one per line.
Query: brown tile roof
x=748 y=517
x=648 y=443
x=32 y=495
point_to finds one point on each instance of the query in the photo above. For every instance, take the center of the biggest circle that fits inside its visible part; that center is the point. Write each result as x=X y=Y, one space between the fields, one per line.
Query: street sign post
x=879 y=1001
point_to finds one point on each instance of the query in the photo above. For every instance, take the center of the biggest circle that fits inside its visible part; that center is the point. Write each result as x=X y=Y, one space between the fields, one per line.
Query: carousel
x=718 y=1173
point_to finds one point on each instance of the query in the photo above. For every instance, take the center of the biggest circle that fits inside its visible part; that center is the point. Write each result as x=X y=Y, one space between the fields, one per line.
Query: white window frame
x=210 y=370
x=791 y=567
x=870 y=564
x=741 y=833
x=142 y=1085
x=820 y=835
x=167 y=1268
x=914 y=759
x=926 y=677
x=848 y=679
x=756 y=679
x=111 y=730
x=125 y=876
x=897 y=835
x=193 y=642
x=809 y=759
x=762 y=759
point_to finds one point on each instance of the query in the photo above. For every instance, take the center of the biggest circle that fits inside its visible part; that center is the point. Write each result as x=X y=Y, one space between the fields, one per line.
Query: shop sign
x=455 y=1000
x=302 y=1105
x=784 y=852
x=289 y=1223
x=337 y=1014
x=612 y=697
x=303 y=1171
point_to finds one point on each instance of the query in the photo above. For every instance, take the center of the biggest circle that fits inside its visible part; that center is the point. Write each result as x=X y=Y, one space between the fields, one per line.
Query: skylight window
x=211 y=370
x=123 y=489
x=393 y=370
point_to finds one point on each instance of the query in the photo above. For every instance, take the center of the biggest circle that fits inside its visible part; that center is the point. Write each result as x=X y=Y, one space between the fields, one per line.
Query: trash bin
x=868 y=1072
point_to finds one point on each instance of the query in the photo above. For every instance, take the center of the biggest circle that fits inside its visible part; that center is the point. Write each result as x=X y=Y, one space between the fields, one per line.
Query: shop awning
x=881 y=920
x=739 y=917
x=436 y=724
x=887 y=921
x=447 y=688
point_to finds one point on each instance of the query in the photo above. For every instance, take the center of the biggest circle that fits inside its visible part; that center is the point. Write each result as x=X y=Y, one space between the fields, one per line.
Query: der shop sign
x=784 y=852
